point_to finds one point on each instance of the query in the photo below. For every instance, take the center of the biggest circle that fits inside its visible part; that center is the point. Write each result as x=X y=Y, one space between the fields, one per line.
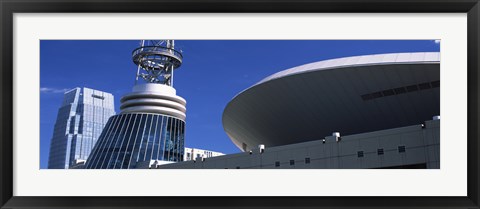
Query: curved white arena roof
x=347 y=95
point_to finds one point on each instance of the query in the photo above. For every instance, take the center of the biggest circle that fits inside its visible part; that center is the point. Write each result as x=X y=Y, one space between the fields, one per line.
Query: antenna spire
x=156 y=61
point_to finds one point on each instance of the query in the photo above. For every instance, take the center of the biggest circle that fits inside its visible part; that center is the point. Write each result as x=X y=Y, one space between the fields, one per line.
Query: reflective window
x=133 y=138
x=150 y=138
x=157 y=138
x=114 y=150
x=137 y=137
x=123 y=147
x=110 y=141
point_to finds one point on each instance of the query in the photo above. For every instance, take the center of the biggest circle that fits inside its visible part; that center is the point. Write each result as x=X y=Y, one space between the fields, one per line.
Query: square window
x=401 y=149
x=379 y=151
x=277 y=164
x=360 y=154
x=307 y=160
x=292 y=162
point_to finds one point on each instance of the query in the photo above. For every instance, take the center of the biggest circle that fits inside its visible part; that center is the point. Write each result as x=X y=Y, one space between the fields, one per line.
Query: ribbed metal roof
x=349 y=95
x=377 y=59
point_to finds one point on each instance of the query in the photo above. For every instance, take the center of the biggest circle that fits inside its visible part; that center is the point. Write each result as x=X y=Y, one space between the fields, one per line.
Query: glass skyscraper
x=80 y=121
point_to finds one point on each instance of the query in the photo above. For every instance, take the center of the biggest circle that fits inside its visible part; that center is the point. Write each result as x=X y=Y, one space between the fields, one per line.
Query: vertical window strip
x=110 y=139
x=177 y=145
x=91 y=157
x=135 y=144
x=92 y=127
x=164 y=136
x=102 y=140
x=175 y=141
x=154 y=138
x=144 y=127
x=154 y=145
x=151 y=138
x=144 y=143
x=183 y=137
x=73 y=150
x=174 y=148
x=180 y=144
x=170 y=135
x=180 y=138
x=160 y=138
x=91 y=144
x=121 y=134
x=168 y=138
x=80 y=145
x=179 y=141
x=148 y=139
x=129 y=139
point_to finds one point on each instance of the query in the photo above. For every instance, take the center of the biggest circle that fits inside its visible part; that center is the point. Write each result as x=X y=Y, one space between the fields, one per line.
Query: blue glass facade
x=80 y=121
x=132 y=138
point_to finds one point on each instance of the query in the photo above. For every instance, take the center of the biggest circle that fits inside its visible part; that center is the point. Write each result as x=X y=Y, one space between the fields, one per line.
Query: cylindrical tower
x=154 y=98
x=156 y=61
x=150 y=127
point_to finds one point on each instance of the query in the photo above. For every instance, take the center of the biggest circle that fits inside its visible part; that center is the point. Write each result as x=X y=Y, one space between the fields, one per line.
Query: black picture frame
x=9 y=7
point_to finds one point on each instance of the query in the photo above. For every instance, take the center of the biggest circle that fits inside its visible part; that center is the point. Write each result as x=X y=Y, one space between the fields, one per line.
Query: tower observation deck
x=156 y=61
x=150 y=127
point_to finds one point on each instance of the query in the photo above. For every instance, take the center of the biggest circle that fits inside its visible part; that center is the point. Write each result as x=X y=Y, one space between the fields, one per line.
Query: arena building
x=382 y=110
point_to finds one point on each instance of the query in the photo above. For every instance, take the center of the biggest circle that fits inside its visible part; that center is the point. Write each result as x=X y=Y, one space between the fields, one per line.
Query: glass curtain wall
x=128 y=139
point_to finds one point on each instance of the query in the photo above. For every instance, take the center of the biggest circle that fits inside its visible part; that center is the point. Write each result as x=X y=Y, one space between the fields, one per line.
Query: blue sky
x=213 y=72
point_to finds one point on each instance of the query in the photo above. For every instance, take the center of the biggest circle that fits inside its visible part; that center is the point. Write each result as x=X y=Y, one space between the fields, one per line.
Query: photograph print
x=240 y=104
